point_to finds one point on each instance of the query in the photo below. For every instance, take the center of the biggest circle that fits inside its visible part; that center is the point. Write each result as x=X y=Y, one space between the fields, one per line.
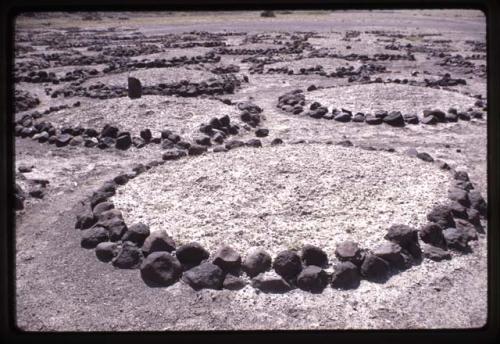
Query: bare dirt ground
x=63 y=287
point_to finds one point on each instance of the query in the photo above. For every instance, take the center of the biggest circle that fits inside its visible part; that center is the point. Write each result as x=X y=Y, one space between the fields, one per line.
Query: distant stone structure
x=134 y=88
x=268 y=14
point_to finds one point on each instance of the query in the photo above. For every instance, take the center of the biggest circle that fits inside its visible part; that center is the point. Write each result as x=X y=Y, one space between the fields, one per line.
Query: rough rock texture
x=160 y=269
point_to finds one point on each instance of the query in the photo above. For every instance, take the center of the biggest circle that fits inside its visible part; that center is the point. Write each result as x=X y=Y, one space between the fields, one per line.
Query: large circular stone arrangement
x=294 y=102
x=130 y=243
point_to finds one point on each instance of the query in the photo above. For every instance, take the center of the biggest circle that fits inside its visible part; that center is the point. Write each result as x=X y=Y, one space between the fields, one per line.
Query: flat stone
x=270 y=282
x=204 y=276
x=435 y=253
x=232 y=282
x=93 y=236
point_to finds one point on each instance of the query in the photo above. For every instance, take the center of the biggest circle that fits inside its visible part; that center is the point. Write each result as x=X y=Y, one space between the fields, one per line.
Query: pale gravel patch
x=284 y=197
x=182 y=115
x=372 y=97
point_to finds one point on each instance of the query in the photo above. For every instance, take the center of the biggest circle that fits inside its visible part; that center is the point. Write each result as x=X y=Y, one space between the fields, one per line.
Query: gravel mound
x=153 y=112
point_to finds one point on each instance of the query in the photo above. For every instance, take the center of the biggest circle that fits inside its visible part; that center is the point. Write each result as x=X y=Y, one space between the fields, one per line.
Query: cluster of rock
x=294 y=102
x=296 y=49
x=44 y=77
x=162 y=262
x=127 y=51
x=225 y=69
x=185 y=45
x=213 y=86
x=36 y=187
x=446 y=80
x=361 y=57
x=24 y=100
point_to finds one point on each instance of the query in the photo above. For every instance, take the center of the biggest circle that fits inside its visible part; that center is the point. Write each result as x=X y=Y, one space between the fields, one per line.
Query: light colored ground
x=284 y=197
x=372 y=97
x=153 y=76
x=182 y=115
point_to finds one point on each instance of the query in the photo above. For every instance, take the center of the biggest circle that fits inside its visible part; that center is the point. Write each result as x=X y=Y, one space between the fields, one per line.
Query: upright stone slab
x=134 y=88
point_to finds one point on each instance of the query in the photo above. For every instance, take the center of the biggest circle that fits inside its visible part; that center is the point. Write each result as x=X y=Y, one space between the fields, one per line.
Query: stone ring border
x=162 y=264
x=294 y=101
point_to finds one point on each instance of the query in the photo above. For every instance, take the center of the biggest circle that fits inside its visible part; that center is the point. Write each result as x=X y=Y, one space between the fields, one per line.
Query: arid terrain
x=302 y=128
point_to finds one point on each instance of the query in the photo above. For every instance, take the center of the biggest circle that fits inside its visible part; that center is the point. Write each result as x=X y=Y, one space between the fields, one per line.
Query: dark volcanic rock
x=456 y=239
x=432 y=233
x=276 y=141
x=374 y=268
x=441 y=215
x=262 y=132
x=270 y=282
x=160 y=269
x=343 y=117
x=173 y=154
x=312 y=278
x=349 y=251
x=439 y=115
x=63 y=140
x=158 y=241
x=256 y=143
x=459 y=195
x=345 y=276
x=477 y=202
x=191 y=254
x=85 y=220
x=137 y=233
x=425 y=157
x=129 y=256
x=395 y=119
x=429 y=120
x=370 y=119
x=287 y=264
x=435 y=253
x=256 y=261
x=134 y=88
x=101 y=208
x=393 y=254
x=93 y=236
x=402 y=235
x=106 y=251
x=227 y=259
x=124 y=141
x=109 y=131
x=197 y=149
x=204 y=276
x=312 y=255
x=232 y=282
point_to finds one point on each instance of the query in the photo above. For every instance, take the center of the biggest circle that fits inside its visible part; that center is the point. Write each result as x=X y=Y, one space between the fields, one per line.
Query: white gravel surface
x=284 y=197
x=154 y=76
x=372 y=97
x=182 y=115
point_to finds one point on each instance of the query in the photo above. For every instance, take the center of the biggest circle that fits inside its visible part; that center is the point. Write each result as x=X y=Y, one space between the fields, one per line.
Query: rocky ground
x=310 y=173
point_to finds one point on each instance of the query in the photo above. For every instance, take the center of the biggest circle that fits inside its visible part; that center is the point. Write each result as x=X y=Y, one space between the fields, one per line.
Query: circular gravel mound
x=284 y=197
x=182 y=115
x=391 y=97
